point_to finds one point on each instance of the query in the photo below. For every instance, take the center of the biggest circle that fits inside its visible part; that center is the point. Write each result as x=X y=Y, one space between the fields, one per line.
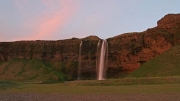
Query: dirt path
x=88 y=97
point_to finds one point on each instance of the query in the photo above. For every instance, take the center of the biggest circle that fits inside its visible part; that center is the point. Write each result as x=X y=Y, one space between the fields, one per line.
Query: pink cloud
x=48 y=24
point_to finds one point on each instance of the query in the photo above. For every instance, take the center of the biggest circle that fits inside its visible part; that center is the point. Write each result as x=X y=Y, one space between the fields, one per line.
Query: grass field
x=99 y=91
x=63 y=89
x=95 y=87
x=61 y=92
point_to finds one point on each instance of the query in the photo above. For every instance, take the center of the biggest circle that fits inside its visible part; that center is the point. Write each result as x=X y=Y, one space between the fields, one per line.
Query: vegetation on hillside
x=166 y=64
x=31 y=71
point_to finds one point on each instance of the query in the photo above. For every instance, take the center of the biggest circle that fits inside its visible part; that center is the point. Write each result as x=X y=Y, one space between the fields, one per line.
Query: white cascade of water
x=79 y=61
x=102 y=60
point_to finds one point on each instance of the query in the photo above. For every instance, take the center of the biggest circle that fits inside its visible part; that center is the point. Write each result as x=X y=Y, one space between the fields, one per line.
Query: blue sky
x=62 y=19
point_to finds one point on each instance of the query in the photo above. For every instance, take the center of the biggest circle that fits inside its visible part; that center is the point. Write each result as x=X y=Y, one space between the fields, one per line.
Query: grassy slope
x=29 y=71
x=167 y=64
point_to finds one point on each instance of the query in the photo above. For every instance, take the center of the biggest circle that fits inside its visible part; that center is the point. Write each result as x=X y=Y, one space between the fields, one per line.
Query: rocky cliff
x=126 y=51
x=63 y=54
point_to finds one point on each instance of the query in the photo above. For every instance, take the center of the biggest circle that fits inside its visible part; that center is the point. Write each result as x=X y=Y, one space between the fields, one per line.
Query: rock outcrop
x=169 y=21
x=126 y=51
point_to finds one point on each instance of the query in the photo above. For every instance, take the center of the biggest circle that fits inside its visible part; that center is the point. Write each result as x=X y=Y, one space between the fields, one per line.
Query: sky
x=64 y=19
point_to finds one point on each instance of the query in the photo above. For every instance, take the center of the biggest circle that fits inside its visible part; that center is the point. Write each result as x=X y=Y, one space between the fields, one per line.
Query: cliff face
x=129 y=51
x=171 y=23
x=126 y=52
x=63 y=54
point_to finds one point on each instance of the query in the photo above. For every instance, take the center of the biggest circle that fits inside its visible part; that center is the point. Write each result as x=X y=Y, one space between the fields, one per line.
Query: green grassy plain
x=63 y=89
x=94 y=87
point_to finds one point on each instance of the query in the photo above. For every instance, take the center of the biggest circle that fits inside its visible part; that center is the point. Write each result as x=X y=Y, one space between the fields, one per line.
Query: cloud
x=53 y=19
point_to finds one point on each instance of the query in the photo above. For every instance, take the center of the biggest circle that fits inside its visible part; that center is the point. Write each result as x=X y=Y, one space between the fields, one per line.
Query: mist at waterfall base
x=101 y=59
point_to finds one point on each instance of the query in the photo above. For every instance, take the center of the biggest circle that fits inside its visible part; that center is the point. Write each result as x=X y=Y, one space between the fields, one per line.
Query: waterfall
x=102 y=58
x=79 y=61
